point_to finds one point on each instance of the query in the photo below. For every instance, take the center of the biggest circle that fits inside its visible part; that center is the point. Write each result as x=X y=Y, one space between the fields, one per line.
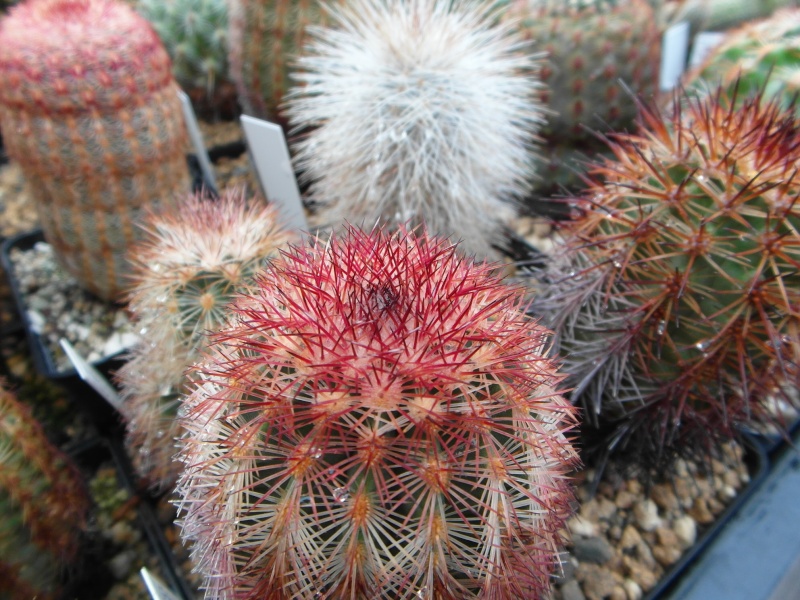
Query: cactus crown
x=378 y=421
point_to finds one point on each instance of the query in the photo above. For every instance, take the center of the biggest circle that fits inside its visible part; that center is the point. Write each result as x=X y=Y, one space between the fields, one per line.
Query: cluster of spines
x=379 y=420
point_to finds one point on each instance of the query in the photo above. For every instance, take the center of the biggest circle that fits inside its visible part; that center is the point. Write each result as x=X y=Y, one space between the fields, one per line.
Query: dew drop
x=661 y=327
x=422 y=593
x=315 y=451
x=305 y=500
x=341 y=495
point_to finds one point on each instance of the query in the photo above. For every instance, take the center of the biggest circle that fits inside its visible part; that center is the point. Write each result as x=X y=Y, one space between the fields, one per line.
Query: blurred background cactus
x=419 y=111
x=600 y=55
x=43 y=507
x=89 y=110
x=715 y=15
x=675 y=294
x=379 y=420
x=192 y=262
x=265 y=36
x=763 y=55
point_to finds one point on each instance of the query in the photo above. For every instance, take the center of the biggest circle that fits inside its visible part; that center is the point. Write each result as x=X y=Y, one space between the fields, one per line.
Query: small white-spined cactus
x=418 y=111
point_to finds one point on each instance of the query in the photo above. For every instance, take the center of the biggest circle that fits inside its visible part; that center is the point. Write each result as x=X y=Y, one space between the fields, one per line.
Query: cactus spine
x=377 y=421
x=89 y=110
x=418 y=111
x=43 y=506
x=675 y=301
x=192 y=261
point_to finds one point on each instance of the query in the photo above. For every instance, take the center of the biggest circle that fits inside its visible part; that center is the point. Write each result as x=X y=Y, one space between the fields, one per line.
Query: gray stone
x=571 y=590
x=592 y=550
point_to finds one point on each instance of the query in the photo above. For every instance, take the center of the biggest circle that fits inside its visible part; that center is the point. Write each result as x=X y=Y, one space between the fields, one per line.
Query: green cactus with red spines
x=675 y=298
x=89 y=110
x=378 y=420
x=43 y=505
x=265 y=37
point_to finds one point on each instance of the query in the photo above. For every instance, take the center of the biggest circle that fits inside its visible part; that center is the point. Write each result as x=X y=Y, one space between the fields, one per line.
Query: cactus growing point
x=675 y=298
x=378 y=420
x=418 y=111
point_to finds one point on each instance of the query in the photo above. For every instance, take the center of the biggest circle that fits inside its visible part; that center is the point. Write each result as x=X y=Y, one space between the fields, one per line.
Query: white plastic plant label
x=674 y=48
x=92 y=376
x=157 y=589
x=270 y=155
x=703 y=43
x=197 y=139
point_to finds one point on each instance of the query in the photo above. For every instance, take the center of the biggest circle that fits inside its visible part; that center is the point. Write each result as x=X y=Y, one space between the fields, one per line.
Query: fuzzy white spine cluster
x=418 y=111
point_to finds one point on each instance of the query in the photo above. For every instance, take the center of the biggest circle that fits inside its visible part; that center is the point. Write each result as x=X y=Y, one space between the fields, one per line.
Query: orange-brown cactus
x=89 y=110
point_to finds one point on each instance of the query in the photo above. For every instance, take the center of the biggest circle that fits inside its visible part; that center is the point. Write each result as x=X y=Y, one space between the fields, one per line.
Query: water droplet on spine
x=341 y=495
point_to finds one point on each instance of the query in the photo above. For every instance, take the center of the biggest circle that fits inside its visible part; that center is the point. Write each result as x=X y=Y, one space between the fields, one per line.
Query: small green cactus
x=194 y=259
x=378 y=421
x=43 y=506
x=90 y=112
x=675 y=293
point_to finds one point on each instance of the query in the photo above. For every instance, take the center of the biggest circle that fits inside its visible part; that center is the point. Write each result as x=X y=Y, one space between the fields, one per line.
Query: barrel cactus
x=419 y=111
x=378 y=421
x=191 y=263
x=89 y=110
x=675 y=296
x=43 y=507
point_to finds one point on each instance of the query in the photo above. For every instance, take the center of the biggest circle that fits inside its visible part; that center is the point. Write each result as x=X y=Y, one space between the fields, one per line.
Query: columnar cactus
x=43 y=506
x=378 y=421
x=675 y=299
x=418 y=111
x=195 y=34
x=265 y=36
x=89 y=110
x=764 y=55
x=187 y=269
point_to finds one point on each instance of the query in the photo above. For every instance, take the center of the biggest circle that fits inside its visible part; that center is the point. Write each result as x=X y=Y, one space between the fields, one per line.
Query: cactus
x=89 y=110
x=378 y=421
x=764 y=55
x=419 y=111
x=187 y=269
x=265 y=36
x=195 y=34
x=714 y=15
x=675 y=296
x=43 y=506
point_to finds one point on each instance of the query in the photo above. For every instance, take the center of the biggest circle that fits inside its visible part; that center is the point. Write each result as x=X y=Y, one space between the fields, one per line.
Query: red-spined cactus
x=379 y=421
x=43 y=506
x=675 y=297
x=193 y=260
x=89 y=110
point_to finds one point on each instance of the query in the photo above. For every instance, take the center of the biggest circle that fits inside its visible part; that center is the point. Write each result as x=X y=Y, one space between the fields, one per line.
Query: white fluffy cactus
x=418 y=111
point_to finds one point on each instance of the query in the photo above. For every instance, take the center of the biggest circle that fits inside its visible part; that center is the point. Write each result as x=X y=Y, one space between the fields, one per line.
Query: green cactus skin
x=716 y=15
x=193 y=260
x=89 y=110
x=764 y=55
x=43 y=506
x=675 y=298
x=195 y=34
x=591 y=46
x=265 y=37
x=378 y=421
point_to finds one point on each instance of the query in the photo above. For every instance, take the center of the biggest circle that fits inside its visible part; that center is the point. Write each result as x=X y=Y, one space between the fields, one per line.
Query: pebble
x=571 y=590
x=646 y=515
x=632 y=589
x=122 y=563
x=597 y=582
x=592 y=550
x=685 y=530
x=580 y=526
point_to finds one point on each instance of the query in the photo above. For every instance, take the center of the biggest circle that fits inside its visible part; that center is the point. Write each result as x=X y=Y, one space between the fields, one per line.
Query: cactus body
x=192 y=262
x=378 y=421
x=418 y=111
x=43 y=506
x=676 y=298
x=265 y=37
x=89 y=110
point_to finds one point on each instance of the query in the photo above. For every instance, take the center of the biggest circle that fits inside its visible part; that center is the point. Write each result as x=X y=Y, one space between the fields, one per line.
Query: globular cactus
x=264 y=37
x=675 y=295
x=195 y=34
x=378 y=421
x=714 y=15
x=89 y=110
x=43 y=506
x=419 y=111
x=191 y=263
x=764 y=55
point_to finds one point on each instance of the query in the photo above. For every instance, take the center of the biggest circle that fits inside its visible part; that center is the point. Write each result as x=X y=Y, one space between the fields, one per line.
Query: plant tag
x=92 y=376
x=158 y=590
x=674 y=48
x=270 y=156
x=197 y=139
x=703 y=43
